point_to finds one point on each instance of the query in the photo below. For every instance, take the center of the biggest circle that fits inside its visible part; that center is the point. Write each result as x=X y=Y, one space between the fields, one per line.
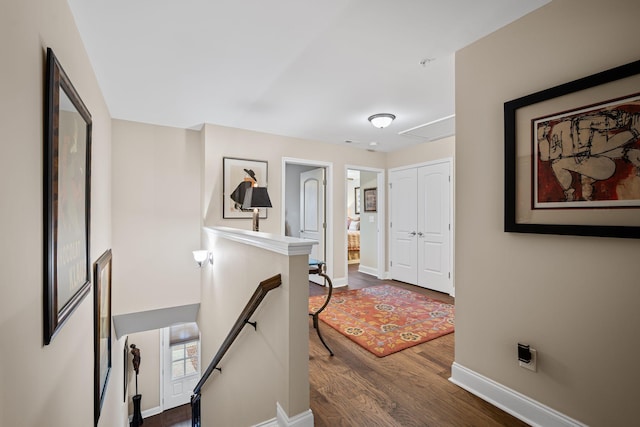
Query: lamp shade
x=256 y=197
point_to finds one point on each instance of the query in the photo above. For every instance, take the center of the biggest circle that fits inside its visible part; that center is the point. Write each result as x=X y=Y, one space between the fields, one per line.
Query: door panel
x=434 y=229
x=312 y=214
x=403 y=205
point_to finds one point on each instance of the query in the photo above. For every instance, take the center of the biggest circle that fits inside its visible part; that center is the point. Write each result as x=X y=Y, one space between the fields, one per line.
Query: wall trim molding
x=271 y=242
x=371 y=271
x=147 y=413
x=520 y=406
x=339 y=282
x=304 y=419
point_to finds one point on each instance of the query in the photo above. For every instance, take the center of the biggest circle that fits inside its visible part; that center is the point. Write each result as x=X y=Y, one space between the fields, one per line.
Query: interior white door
x=181 y=370
x=404 y=224
x=312 y=214
x=434 y=234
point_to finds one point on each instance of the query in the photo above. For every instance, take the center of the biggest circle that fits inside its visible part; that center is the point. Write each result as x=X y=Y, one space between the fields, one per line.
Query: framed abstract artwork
x=101 y=329
x=237 y=175
x=572 y=157
x=67 y=197
x=370 y=199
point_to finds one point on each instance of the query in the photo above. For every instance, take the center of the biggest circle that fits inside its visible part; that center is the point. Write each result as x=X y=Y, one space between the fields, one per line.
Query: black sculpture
x=137 y=415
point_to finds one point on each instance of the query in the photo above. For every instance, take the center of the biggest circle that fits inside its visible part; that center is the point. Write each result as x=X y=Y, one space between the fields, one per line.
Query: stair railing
x=261 y=291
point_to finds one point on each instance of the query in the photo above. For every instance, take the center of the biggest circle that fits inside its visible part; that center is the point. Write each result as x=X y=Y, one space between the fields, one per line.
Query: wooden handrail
x=263 y=288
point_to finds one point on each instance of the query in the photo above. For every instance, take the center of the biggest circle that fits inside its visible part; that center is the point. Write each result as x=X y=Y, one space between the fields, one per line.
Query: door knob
x=420 y=234
x=413 y=233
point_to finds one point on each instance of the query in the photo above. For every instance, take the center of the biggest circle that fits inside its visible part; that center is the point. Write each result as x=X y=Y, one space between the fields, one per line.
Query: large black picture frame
x=102 y=336
x=67 y=199
x=234 y=171
x=618 y=81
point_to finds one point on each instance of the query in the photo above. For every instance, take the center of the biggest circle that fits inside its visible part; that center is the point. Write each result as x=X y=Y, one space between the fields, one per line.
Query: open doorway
x=307 y=204
x=365 y=220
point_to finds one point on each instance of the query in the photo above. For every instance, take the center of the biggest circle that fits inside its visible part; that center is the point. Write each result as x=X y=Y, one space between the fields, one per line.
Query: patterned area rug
x=385 y=319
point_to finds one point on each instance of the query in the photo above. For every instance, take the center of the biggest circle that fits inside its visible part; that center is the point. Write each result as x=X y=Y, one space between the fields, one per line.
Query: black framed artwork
x=572 y=157
x=370 y=199
x=102 y=336
x=67 y=198
x=236 y=174
x=125 y=361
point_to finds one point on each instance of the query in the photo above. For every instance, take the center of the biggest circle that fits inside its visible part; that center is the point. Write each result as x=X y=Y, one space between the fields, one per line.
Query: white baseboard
x=148 y=413
x=273 y=422
x=368 y=270
x=520 y=406
x=339 y=282
x=304 y=419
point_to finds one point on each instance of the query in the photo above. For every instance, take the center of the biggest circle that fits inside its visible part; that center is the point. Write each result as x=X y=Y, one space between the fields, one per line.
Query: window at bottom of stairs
x=184 y=359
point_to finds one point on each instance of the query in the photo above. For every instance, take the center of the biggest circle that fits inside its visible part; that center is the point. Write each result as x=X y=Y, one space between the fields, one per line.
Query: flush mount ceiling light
x=381 y=120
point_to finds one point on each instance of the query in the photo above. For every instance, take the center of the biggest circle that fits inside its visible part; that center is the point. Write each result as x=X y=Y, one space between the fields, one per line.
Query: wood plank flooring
x=176 y=417
x=409 y=388
x=354 y=388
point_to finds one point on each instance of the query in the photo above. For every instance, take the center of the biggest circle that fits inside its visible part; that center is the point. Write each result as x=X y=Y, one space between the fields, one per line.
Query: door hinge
x=449 y=178
x=390 y=224
x=324 y=225
x=449 y=275
x=449 y=226
x=391 y=263
x=391 y=185
x=324 y=182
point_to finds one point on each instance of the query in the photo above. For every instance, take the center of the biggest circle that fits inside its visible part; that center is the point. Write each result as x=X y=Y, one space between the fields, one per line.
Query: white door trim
x=329 y=203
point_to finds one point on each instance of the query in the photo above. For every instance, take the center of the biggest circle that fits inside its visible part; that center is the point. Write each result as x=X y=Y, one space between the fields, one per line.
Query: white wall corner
x=339 y=282
x=371 y=271
x=304 y=419
x=520 y=406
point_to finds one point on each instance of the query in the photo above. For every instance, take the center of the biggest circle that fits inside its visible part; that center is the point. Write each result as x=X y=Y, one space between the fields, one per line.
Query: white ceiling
x=308 y=69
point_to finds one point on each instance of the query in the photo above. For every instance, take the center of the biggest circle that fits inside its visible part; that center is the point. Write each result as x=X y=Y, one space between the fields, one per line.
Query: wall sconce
x=202 y=257
x=254 y=198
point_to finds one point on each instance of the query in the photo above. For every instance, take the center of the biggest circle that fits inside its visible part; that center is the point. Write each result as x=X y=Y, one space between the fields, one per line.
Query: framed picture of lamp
x=67 y=197
x=237 y=175
x=572 y=157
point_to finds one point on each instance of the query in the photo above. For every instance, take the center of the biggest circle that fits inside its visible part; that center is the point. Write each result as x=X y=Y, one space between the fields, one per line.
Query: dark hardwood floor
x=354 y=388
x=176 y=417
x=409 y=388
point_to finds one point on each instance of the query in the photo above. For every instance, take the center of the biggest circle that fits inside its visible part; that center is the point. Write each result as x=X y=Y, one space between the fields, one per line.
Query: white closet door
x=434 y=241
x=403 y=203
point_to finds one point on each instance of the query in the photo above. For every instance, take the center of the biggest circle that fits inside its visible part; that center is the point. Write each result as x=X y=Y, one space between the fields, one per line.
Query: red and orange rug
x=385 y=319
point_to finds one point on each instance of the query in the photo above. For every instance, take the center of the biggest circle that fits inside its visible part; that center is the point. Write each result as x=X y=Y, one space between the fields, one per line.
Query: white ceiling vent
x=436 y=129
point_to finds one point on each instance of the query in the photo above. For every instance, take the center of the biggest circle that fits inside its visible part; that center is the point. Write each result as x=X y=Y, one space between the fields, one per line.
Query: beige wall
x=368 y=229
x=46 y=385
x=420 y=153
x=156 y=216
x=156 y=225
x=574 y=299
x=228 y=142
x=263 y=366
